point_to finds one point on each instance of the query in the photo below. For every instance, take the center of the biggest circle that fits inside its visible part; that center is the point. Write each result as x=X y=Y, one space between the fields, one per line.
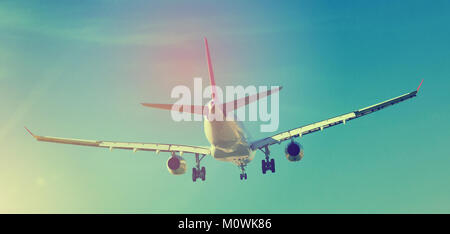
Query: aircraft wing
x=321 y=125
x=156 y=147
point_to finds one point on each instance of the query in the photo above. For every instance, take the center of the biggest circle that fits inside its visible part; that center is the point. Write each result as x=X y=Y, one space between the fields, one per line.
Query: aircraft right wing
x=321 y=125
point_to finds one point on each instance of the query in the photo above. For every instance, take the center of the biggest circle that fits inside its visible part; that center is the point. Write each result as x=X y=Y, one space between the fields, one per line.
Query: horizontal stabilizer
x=249 y=99
x=194 y=109
x=227 y=107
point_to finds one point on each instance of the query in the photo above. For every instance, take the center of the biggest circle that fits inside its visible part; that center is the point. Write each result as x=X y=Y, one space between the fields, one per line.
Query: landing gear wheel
x=272 y=165
x=198 y=173
x=268 y=163
x=243 y=176
x=203 y=173
x=194 y=174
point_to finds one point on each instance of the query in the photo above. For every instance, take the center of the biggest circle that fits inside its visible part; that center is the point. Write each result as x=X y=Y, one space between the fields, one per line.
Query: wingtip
x=419 y=85
x=28 y=130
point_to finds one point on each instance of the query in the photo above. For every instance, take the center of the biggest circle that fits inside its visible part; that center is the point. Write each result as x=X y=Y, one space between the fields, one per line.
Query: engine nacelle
x=294 y=151
x=176 y=165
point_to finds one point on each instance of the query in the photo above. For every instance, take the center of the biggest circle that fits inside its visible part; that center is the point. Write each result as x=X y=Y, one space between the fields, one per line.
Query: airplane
x=227 y=138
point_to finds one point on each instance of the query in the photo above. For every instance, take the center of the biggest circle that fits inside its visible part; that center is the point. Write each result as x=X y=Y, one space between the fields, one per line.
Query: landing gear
x=198 y=173
x=243 y=173
x=203 y=173
x=268 y=163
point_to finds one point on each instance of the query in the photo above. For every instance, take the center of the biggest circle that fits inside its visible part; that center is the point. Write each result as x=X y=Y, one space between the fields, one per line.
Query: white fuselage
x=227 y=138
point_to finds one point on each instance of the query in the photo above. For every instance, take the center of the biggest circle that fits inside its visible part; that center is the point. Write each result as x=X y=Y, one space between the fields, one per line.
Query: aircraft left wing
x=321 y=125
x=156 y=147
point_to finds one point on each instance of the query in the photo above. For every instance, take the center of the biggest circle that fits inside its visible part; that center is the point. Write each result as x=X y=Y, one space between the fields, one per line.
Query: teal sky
x=81 y=69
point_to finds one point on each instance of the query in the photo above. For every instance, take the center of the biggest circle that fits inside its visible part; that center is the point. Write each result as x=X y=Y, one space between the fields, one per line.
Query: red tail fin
x=199 y=109
x=212 y=81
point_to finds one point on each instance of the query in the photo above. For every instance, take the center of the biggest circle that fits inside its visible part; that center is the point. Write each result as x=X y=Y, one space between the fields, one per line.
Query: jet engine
x=176 y=165
x=294 y=151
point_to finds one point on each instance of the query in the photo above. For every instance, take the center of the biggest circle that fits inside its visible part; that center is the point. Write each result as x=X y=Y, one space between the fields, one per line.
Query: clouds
x=92 y=29
x=103 y=30
x=108 y=25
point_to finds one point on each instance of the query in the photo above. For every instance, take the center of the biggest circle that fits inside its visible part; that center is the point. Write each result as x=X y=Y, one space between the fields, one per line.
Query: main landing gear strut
x=268 y=163
x=196 y=171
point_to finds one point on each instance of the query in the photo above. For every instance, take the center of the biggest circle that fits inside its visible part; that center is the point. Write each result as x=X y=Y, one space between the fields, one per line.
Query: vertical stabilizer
x=212 y=81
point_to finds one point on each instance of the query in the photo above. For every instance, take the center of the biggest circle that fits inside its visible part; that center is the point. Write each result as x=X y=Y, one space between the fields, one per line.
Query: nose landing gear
x=243 y=173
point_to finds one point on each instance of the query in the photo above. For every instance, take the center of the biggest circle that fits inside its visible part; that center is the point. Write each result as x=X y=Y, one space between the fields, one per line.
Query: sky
x=80 y=69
